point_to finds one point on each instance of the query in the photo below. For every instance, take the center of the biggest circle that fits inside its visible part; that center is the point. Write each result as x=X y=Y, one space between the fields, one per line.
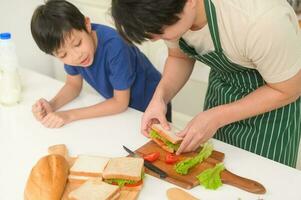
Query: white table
x=23 y=141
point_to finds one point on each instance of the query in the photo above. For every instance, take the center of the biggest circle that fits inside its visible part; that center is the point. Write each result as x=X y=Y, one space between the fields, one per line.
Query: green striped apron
x=275 y=134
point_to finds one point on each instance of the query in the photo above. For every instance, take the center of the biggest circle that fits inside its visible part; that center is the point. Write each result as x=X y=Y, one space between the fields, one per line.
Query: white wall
x=15 y=17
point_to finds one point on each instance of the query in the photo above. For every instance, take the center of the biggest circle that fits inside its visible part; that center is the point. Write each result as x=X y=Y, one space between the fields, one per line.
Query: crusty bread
x=91 y=166
x=95 y=189
x=168 y=134
x=47 y=179
x=124 y=168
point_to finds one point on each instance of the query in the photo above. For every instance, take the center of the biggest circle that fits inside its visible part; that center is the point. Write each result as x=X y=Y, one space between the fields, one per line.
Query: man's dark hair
x=52 y=22
x=136 y=20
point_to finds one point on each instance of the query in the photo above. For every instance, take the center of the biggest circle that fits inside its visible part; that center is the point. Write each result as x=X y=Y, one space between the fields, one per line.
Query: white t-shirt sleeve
x=273 y=44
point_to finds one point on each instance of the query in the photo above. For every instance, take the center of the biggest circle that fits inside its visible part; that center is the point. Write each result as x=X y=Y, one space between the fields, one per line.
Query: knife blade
x=147 y=164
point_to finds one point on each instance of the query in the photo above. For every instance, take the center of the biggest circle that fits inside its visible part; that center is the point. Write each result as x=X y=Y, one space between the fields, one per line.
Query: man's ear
x=192 y=3
x=88 y=24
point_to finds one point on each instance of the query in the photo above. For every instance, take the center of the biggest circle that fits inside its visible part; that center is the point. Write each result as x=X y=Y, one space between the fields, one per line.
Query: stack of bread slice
x=87 y=167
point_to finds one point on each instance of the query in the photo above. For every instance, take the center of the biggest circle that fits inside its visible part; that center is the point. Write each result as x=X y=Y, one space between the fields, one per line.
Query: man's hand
x=56 y=119
x=41 y=108
x=155 y=113
x=201 y=128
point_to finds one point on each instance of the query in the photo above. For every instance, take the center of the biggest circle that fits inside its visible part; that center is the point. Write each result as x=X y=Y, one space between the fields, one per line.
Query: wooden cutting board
x=189 y=181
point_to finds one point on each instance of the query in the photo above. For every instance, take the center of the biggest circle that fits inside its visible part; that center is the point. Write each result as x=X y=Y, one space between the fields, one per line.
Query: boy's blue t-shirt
x=120 y=66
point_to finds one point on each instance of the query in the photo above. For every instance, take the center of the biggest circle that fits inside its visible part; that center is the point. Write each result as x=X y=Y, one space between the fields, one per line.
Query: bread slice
x=124 y=168
x=95 y=189
x=91 y=166
x=168 y=134
x=79 y=179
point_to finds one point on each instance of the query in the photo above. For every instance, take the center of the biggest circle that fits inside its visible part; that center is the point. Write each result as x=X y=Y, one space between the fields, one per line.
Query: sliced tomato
x=151 y=157
x=135 y=184
x=171 y=158
x=129 y=185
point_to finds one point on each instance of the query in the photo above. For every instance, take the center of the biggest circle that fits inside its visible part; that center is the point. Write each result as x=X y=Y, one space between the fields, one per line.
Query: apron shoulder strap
x=212 y=23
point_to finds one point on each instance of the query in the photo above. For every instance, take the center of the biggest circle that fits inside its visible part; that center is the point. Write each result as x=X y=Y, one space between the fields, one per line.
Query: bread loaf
x=47 y=179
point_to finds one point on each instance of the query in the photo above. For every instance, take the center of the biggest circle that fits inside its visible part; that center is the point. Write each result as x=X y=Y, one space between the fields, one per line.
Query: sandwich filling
x=153 y=134
x=124 y=182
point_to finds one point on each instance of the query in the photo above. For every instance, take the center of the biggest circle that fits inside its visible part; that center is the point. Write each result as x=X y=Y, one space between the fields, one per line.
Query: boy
x=254 y=51
x=95 y=53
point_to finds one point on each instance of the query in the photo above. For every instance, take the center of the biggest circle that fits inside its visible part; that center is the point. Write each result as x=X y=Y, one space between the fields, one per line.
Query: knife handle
x=155 y=169
x=242 y=183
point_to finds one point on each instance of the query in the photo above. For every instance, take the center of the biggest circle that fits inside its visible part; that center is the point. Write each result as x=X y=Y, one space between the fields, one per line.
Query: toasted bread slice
x=124 y=168
x=91 y=166
x=168 y=134
x=95 y=189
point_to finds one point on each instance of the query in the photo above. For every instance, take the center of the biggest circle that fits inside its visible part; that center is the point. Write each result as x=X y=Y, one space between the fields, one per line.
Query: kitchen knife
x=147 y=164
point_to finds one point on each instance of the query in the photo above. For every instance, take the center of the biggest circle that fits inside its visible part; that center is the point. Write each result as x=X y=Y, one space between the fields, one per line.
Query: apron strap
x=212 y=23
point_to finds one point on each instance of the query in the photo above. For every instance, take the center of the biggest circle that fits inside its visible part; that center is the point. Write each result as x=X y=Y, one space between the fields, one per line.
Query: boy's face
x=78 y=48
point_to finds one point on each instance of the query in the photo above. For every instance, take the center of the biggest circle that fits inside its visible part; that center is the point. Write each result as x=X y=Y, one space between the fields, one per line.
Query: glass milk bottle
x=10 y=85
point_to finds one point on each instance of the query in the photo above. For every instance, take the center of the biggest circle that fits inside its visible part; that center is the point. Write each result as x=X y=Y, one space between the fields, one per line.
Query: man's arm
x=264 y=99
x=177 y=70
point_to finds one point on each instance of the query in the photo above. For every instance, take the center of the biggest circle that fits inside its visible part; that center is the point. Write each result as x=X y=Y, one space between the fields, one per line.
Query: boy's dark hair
x=52 y=22
x=136 y=20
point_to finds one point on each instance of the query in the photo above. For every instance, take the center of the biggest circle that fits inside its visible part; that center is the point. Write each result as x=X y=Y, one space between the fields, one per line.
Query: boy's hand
x=56 y=119
x=155 y=113
x=41 y=108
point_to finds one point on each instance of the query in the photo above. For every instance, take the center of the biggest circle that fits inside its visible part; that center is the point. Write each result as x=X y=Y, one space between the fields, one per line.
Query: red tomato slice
x=171 y=158
x=152 y=156
x=135 y=184
x=130 y=185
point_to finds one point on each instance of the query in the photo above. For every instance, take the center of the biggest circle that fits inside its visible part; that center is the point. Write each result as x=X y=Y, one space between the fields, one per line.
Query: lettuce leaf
x=210 y=178
x=184 y=166
x=154 y=134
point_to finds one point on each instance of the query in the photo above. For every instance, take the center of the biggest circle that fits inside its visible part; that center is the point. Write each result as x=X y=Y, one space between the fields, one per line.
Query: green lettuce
x=184 y=166
x=154 y=134
x=210 y=178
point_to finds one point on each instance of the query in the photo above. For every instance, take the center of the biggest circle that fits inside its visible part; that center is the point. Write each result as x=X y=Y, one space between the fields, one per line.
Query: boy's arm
x=117 y=104
x=68 y=92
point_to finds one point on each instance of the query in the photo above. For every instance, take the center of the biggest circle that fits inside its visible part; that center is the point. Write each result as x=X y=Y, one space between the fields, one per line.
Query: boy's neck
x=95 y=39
x=201 y=19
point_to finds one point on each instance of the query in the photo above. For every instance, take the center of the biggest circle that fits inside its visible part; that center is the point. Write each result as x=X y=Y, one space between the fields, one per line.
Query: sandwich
x=86 y=167
x=47 y=179
x=126 y=172
x=166 y=139
x=94 y=189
